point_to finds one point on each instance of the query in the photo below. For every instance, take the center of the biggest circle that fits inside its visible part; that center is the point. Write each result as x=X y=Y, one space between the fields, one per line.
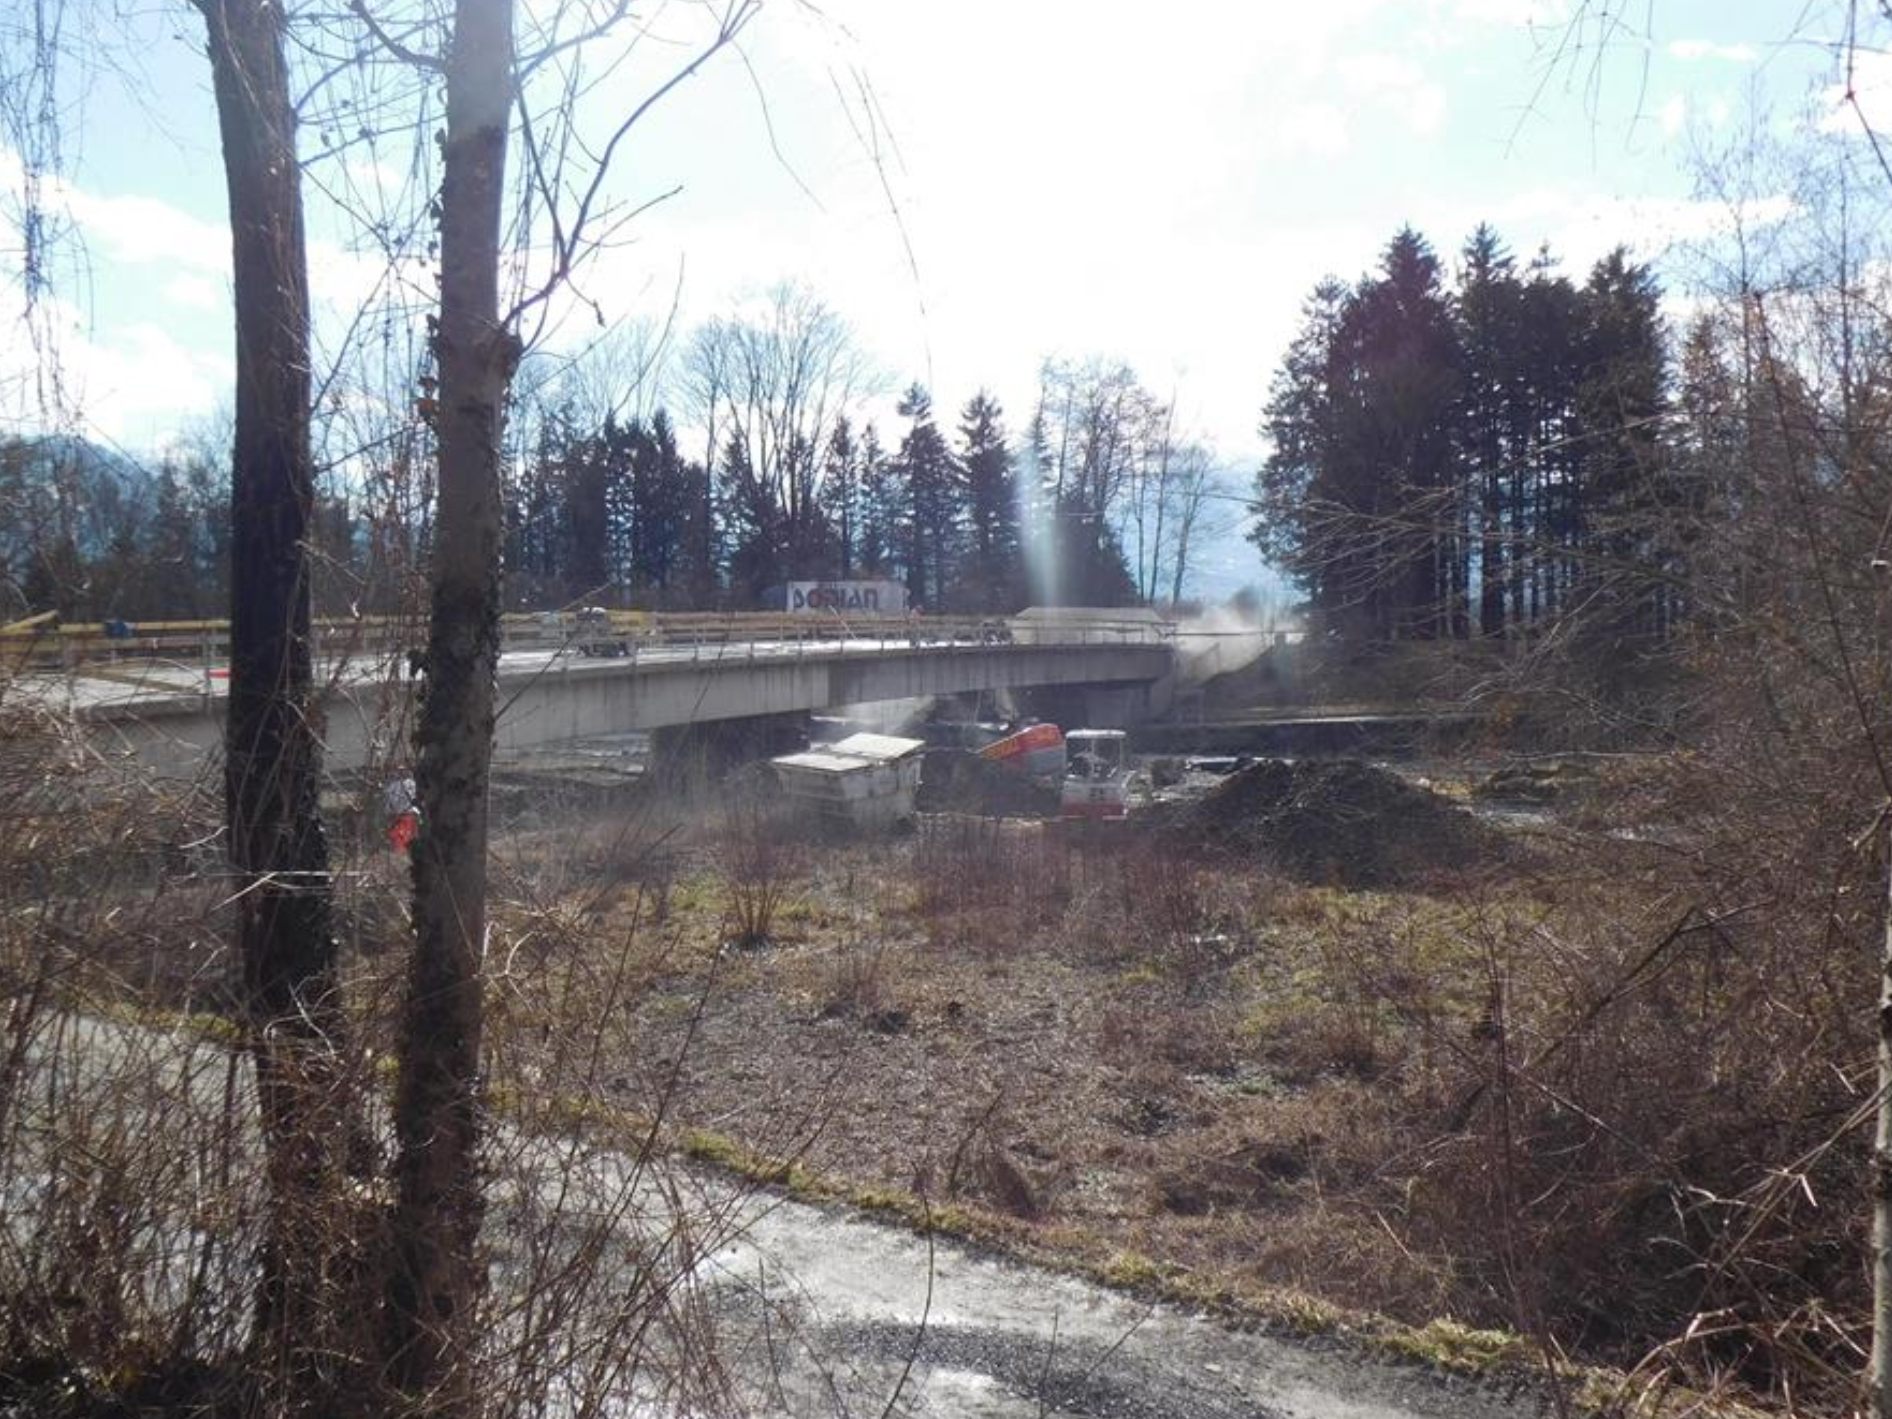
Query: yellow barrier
x=36 y=642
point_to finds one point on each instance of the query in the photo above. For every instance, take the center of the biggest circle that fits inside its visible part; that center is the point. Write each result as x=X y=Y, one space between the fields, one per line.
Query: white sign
x=849 y=598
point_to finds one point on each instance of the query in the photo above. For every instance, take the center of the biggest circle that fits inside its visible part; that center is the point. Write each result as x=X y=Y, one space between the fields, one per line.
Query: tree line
x=780 y=465
x=619 y=513
x=1480 y=458
x=95 y=537
x=778 y=471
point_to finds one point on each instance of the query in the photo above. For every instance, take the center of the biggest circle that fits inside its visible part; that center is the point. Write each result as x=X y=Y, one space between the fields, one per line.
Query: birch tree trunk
x=437 y=1274
x=272 y=753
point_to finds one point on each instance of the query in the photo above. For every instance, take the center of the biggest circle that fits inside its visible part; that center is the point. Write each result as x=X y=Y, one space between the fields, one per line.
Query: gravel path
x=823 y=1313
x=981 y=1338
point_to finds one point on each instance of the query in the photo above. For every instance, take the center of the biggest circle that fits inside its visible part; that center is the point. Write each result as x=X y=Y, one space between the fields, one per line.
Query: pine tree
x=1624 y=496
x=1543 y=489
x=992 y=574
x=1497 y=451
x=174 y=571
x=1401 y=338
x=1489 y=427
x=1299 y=523
x=841 y=495
x=752 y=526
x=880 y=507
x=807 y=541
x=928 y=534
x=665 y=510
x=586 y=514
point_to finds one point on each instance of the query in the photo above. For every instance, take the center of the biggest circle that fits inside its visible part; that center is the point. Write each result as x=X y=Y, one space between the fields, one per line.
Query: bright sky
x=1161 y=184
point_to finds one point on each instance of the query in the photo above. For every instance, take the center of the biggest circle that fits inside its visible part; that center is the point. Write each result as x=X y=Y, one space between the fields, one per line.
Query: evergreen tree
x=880 y=507
x=992 y=575
x=1624 y=498
x=1398 y=467
x=536 y=509
x=1491 y=429
x=1543 y=493
x=807 y=541
x=753 y=526
x=928 y=533
x=841 y=495
x=665 y=507
x=586 y=514
x=614 y=449
x=1037 y=538
x=1497 y=450
x=1298 y=523
x=174 y=579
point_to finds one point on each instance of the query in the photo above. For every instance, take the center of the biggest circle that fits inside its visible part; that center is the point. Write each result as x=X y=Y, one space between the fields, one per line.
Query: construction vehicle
x=1037 y=751
x=1096 y=775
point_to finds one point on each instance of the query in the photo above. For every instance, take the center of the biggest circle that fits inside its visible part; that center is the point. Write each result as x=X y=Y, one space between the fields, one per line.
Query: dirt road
x=987 y=1339
x=819 y=1312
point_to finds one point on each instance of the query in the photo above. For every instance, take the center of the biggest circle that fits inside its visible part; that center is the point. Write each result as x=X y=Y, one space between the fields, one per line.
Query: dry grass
x=130 y=1162
x=1489 y=1101
x=1601 y=1104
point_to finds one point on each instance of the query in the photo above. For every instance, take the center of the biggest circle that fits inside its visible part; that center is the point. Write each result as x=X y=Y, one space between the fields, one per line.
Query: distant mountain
x=92 y=463
x=64 y=486
x=72 y=517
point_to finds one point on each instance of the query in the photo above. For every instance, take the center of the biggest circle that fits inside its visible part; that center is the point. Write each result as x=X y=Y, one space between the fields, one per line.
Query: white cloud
x=1869 y=104
x=1694 y=111
x=131 y=385
x=142 y=231
x=1399 y=86
x=1518 y=14
x=1692 y=49
x=197 y=292
x=1315 y=130
x=1581 y=227
x=1084 y=176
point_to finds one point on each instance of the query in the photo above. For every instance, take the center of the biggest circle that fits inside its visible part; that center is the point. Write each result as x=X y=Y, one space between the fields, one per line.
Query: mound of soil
x=1339 y=821
x=1536 y=784
x=955 y=781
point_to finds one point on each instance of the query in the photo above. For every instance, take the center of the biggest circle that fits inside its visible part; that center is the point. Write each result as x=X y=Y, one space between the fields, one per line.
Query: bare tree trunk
x=1879 y=1398
x=285 y=939
x=437 y=1274
x=1185 y=525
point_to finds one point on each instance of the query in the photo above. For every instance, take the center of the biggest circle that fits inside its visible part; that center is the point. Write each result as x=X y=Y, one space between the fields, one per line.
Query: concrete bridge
x=170 y=717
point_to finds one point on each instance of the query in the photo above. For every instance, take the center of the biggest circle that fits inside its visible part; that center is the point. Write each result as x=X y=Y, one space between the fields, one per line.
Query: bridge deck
x=169 y=714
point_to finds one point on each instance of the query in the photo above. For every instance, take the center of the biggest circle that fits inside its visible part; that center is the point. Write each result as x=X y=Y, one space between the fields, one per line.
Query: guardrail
x=206 y=644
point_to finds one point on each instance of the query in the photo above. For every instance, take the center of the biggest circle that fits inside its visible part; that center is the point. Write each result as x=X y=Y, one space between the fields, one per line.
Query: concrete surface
x=169 y=716
x=991 y=1339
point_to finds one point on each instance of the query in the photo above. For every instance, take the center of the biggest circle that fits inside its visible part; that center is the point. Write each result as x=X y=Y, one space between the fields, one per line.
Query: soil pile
x=1341 y=821
x=1536 y=784
x=954 y=781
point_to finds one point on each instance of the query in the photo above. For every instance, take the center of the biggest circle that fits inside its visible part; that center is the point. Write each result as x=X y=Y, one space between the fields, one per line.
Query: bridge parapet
x=39 y=644
x=169 y=712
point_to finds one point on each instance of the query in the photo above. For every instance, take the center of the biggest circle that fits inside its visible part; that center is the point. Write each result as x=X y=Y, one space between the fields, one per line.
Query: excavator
x=1096 y=776
x=1090 y=766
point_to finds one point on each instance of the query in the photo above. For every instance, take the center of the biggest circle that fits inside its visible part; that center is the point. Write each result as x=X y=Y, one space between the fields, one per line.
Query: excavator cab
x=1096 y=774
